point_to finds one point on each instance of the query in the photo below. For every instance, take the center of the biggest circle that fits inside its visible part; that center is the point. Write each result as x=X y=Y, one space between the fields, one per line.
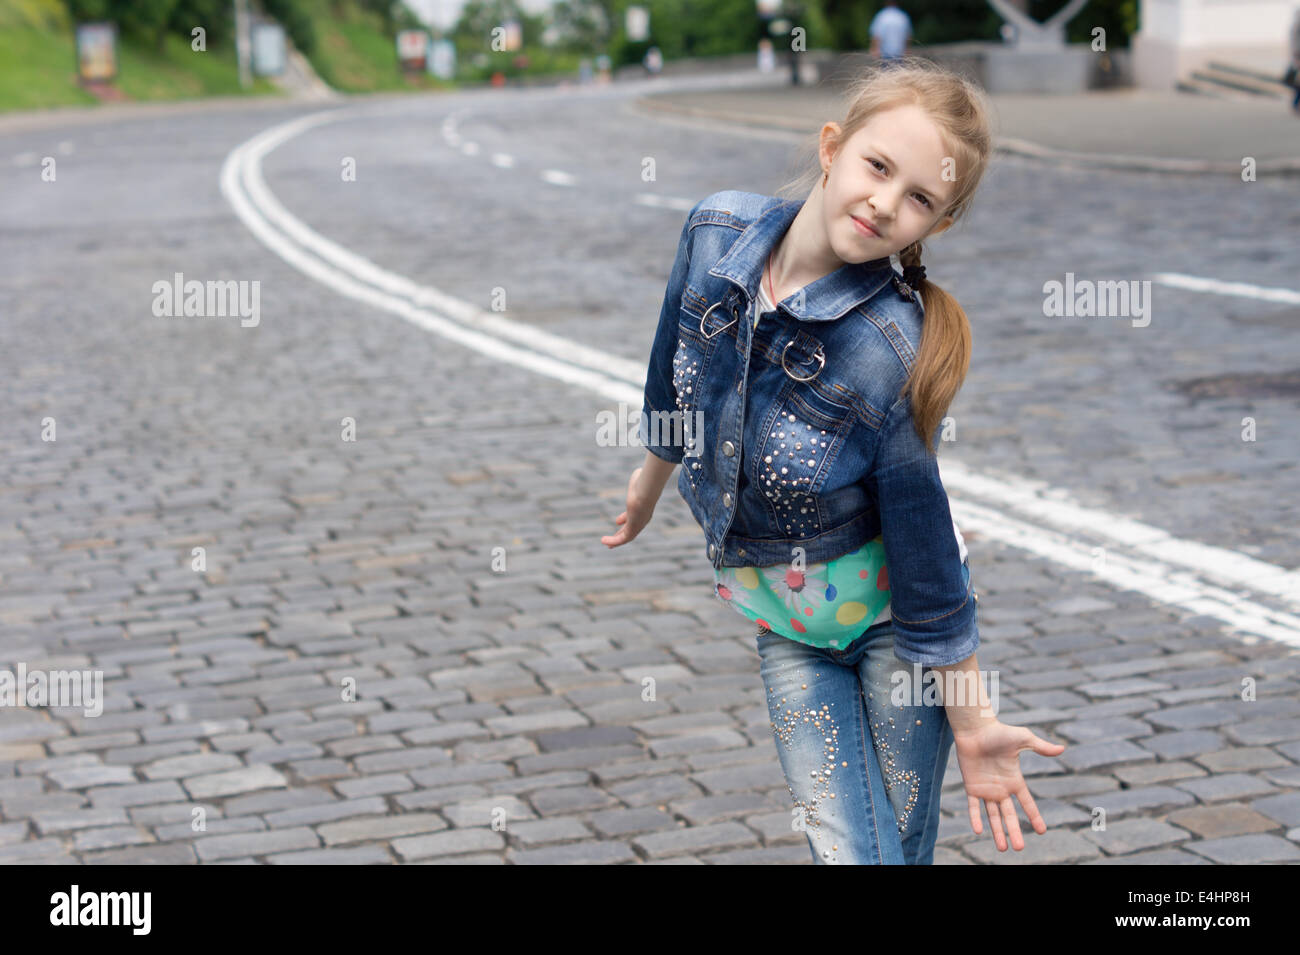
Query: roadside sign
x=412 y=49
x=97 y=52
x=636 y=23
x=442 y=59
x=268 y=49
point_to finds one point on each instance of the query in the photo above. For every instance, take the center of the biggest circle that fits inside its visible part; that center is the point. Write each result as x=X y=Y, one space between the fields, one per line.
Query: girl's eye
x=881 y=166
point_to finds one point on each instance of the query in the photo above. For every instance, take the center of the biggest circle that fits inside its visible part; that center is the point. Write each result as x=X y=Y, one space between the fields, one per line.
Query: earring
x=825 y=176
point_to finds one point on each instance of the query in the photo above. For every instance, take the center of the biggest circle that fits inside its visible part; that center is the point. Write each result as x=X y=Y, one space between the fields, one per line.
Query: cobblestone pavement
x=485 y=694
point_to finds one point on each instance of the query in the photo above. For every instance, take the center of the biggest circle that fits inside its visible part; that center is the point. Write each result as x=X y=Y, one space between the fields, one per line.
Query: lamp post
x=243 y=43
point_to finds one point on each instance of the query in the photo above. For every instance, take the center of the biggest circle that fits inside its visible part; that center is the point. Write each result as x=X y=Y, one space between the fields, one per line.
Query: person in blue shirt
x=891 y=29
x=1295 y=57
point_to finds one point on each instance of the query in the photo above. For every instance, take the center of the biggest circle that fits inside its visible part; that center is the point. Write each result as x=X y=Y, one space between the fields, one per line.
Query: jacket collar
x=824 y=300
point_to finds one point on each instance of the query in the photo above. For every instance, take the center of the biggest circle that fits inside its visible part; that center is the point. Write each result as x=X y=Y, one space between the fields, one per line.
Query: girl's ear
x=830 y=141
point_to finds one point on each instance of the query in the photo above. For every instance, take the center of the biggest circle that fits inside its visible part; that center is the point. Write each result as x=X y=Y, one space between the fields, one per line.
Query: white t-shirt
x=765 y=304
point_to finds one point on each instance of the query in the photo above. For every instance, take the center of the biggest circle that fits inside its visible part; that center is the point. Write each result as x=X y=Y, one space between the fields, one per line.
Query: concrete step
x=1238 y=80
x=1267 y=75
x=1203 y=87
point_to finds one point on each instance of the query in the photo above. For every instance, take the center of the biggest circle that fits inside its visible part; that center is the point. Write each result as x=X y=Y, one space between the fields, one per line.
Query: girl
x=833 y=473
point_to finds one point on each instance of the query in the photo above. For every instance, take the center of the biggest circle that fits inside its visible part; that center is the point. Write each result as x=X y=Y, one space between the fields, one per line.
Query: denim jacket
x=791 y=433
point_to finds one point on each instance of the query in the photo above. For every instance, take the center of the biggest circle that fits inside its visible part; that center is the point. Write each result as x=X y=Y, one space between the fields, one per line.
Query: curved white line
x=265 y=203
x=1152 y=574
x=234 y=176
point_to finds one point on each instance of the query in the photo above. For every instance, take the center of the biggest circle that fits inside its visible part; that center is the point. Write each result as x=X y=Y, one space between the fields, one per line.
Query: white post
x=243 y=42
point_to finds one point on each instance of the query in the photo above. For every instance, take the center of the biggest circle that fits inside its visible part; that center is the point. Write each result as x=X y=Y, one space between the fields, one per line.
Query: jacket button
x=728 y=448
x=726 y=500
x=712 y=550
x=741 y=552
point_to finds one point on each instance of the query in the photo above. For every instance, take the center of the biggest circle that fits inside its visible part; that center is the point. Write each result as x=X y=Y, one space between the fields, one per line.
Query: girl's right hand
x=637 y=516
x=989 y=759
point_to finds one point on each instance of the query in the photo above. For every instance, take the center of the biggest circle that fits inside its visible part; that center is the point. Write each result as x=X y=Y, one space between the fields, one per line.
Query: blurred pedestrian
x=653 y=61
x=891 y=31
x=1292 y=79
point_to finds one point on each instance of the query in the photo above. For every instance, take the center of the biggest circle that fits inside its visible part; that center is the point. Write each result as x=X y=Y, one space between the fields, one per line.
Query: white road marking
x=1156 y=579
x=466 y=314
x=664 y=202
x=1143 y=558
x=243 y=187
x=558 y=177
x=1054 y=507
x=1195 y=283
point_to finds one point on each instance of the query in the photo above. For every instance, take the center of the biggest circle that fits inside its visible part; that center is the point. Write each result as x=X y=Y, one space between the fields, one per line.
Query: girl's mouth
x=864 y=229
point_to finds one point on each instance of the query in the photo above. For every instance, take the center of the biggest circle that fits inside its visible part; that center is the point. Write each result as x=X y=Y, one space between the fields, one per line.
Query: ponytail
x=944 y=357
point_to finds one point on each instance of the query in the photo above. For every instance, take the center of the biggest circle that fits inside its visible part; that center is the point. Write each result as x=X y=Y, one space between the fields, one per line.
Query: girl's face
x=888 y=175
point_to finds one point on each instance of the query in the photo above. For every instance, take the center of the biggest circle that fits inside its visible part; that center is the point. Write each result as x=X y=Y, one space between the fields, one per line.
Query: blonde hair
x=962 y=114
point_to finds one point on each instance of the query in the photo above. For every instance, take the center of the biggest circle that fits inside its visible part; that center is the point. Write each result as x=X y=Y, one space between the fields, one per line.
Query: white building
x=1176 y=37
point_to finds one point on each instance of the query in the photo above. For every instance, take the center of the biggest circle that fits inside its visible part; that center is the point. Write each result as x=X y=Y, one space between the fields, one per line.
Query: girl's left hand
x=633 y=520
x=989 y=758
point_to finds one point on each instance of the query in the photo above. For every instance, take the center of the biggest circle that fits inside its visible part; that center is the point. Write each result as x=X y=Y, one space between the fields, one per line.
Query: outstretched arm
x=643 y=491
x=988 y=754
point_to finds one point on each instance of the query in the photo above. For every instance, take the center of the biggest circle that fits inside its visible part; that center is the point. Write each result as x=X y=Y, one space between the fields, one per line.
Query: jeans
x=864 y=798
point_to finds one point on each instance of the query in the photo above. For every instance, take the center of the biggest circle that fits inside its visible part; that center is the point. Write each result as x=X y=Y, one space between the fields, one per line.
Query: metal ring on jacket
x=735 y=317
x=819 y=355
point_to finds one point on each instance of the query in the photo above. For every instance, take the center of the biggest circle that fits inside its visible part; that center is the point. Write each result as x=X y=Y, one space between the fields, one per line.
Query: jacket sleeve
x=660 y=394
x=931 y=601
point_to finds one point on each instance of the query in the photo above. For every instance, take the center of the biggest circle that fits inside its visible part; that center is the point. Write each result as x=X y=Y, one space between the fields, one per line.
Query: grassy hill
x=354 y=54
x=38 y=63
x=351 y=49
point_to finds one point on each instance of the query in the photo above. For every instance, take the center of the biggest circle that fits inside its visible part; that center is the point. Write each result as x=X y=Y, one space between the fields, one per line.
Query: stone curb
x=661 y=103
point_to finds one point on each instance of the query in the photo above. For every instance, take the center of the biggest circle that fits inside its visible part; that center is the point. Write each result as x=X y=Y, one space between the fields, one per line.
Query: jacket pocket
x=797 y=448
x=704 y=322
x=701 y=326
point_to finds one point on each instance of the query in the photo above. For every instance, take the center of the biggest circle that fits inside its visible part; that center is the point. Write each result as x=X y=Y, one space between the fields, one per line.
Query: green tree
x=684 y=28
x=584 y=23
x=217 y=17
x=953 y=21
x=144 y=20
x=393 y=14
x=293 y=16
x=479 y=18
x=1119 y=18
x=152 y=20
